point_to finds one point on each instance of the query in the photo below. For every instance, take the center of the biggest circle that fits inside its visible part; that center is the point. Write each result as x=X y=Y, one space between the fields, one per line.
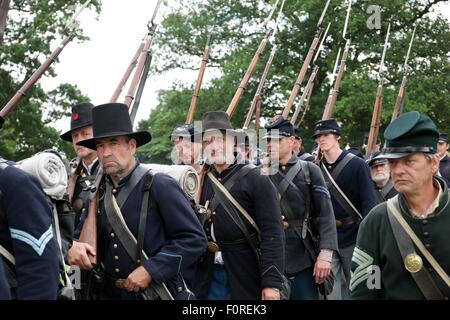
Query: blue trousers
x=303 y=286
x=220 y=287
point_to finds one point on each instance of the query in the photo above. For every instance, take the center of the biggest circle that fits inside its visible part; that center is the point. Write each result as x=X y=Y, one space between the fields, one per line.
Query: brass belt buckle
x=212 y=246
x=120 y=283
x=339 y=224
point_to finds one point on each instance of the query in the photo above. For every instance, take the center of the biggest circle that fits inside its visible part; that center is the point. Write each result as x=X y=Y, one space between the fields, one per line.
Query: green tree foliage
x=237 y=29
x=33 y=30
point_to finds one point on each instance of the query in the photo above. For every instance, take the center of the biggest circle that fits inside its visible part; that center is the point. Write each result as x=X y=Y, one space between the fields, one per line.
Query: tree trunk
x=4 y=7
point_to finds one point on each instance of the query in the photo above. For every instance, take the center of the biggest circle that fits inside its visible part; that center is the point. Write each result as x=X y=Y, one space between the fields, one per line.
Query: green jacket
x=376 y=246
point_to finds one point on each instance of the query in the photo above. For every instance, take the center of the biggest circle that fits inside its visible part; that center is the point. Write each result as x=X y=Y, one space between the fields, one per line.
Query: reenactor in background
x=299 y=150
x=381 y=177
x=352 y=194
x=154 y=208
x=305 y=205
x=27 y=245
x=444 y=165
x=85 y=166
x=390 y=261
x=245 y=257
x=188 y=147
x=376 y=147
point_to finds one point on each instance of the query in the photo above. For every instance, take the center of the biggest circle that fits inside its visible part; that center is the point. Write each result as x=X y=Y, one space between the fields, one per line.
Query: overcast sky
x=97 y=65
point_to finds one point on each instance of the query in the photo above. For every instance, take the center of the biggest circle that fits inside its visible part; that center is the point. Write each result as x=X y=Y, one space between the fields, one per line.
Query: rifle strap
x=406 y=239
x=126 y=237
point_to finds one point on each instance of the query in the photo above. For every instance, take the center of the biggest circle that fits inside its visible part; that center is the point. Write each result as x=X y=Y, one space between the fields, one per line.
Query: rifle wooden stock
x=138 y=72
x=376 y=119
x=400 y=97
x=89 y=232
x=202 y=182
x=9 y=107
x=198 y=83
x=301 y=75
x=127 y=74
x=257 y=117
x=305 y=94
x=331 y=102
x=258 y=95
x=248 y=74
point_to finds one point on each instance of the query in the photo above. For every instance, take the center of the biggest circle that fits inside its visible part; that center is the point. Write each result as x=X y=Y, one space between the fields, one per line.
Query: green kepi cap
x=410 y=133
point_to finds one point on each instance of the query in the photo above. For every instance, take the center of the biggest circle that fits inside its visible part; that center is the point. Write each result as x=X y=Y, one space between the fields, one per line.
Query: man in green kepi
x=402 y=249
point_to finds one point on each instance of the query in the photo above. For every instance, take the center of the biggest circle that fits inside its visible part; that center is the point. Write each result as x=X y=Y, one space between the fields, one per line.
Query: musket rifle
x=127 y=73
x=401 y=93
x=305 y=65
x=312 y=77
x=12 y=104
x=144 y=56
x=331 y=101
x=252 y=66
x=256 y=102
x=198 y=83
x=376 y=115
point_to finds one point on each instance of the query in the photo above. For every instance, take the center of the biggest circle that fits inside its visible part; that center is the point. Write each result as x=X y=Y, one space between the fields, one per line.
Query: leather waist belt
x=341 y=223
x=293 y=223
x=234 y=244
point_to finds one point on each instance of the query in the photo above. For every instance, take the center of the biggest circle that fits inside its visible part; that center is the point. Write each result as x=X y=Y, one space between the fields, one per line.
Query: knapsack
x=62 y=214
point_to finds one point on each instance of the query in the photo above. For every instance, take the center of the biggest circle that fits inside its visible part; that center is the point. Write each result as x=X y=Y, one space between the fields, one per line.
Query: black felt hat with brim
x=411 y=132
x=81 y=117
x=112 y=120
x=216 y=120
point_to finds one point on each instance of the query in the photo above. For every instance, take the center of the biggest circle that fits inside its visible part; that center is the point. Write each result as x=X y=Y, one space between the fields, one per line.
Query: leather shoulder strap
x=341 y=165
x=235 y=203
x=305 y=156
x=422 y=278
x=136 y=176
x=339 y=195
x=387 y=188
x=242 y=172
x=288 y=178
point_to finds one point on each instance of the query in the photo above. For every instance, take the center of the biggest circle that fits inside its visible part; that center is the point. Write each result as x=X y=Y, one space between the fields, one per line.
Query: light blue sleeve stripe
x=323 y=190
x=35 y=244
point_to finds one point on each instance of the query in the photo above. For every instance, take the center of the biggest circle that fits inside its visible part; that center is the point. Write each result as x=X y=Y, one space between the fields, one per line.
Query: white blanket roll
x=186 y=176
x=49 y=169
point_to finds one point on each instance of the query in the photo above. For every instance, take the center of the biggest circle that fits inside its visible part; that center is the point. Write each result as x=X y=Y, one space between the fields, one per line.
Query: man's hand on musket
x=78 y=255
x=138 y=280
